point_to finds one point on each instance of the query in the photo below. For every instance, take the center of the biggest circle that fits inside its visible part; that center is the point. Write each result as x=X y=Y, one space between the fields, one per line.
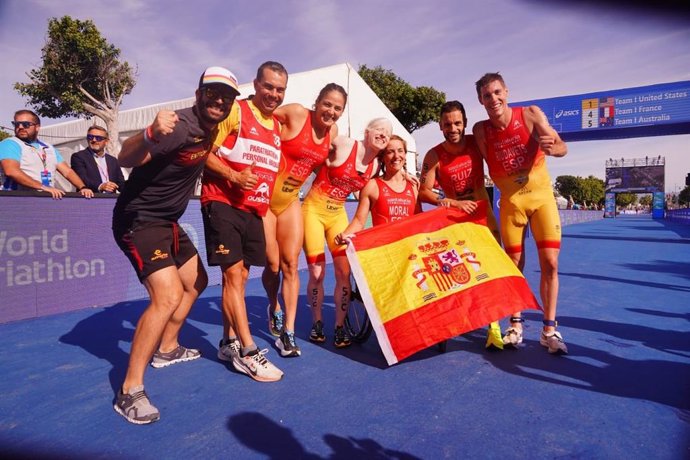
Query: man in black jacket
x=99 y=171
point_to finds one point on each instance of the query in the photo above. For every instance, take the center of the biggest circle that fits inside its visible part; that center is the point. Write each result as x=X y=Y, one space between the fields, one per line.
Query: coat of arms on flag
x=434 y=276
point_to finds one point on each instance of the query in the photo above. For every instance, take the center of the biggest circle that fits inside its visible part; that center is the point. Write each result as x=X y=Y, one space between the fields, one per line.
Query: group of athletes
x=255 y=155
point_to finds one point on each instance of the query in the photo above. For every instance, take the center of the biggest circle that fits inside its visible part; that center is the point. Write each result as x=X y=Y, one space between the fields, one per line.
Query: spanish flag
x=434 y=276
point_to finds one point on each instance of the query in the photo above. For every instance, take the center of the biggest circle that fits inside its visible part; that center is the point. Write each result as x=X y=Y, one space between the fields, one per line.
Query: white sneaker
x=227 y=349
x=257 y=366
x=554 y=342
x=513 y=337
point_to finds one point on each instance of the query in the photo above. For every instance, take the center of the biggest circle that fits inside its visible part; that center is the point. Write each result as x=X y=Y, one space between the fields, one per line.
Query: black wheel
x=357 y=320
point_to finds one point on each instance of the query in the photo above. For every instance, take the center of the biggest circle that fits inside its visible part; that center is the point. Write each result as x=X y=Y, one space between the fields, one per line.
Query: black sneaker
x=287 y=346
x=316 y=335
x=275 y=321
x=135 y=406
x=342 y=338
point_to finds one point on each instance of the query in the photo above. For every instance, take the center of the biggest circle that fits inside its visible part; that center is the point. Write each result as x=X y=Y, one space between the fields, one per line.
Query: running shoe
x=178 y=355
x=493 y=337
x=227 y=349
x=257 y=366
x=342 y=338
x=316 y=335
x=513 y=337
x=275 y=321
x=554 y=342
x=135 y=406
x=286 y=344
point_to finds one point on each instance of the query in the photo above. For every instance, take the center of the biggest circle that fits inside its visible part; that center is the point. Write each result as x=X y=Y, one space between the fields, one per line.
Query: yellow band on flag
x=432 y=277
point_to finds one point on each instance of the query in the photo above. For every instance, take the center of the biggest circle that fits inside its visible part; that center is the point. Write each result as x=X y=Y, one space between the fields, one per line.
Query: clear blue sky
x=543 y=48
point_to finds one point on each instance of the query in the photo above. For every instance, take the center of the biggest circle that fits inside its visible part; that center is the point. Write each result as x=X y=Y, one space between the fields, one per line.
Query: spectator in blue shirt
x=26 y=163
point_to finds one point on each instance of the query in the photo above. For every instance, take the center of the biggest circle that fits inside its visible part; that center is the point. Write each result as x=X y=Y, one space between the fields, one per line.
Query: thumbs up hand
x=246 y=178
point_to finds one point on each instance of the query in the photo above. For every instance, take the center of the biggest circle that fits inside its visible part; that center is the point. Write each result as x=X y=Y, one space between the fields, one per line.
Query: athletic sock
x=249 y=349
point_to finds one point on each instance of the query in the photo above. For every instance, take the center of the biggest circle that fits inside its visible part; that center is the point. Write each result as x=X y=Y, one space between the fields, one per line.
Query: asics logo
x=567 y=113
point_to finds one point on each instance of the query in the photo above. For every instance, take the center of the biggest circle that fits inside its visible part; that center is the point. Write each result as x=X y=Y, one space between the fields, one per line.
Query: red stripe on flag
x=454 y=315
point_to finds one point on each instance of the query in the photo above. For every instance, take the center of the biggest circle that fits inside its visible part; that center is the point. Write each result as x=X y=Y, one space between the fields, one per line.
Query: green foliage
x=568 y=186
x=684 y=197
x=645 y=200
x=413 y=107
x=625 y=199
x=77 y=60
x=593 y=190
x=4 y=134
x=589 y=190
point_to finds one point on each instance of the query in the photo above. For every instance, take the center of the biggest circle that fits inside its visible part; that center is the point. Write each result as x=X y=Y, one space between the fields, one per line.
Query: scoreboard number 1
x=590 y=113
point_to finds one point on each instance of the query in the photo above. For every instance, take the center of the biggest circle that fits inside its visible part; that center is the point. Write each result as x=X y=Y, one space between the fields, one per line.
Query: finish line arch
x=655 y=110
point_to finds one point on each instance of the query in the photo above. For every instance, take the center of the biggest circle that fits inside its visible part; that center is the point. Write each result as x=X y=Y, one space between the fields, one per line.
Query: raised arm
x=549 y=140
x=342 y=145
x=291 y=116
x=136 y=149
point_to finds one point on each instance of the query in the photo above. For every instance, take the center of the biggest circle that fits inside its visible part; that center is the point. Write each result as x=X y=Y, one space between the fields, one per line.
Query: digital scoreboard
x=654 y=110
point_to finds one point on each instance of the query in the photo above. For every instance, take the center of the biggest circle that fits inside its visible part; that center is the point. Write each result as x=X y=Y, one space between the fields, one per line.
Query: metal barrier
x=681 y=216
x=570 y=216
x=59 y=255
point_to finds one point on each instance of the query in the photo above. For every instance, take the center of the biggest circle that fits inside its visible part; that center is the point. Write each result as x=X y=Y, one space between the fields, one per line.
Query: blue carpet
x=623 y=392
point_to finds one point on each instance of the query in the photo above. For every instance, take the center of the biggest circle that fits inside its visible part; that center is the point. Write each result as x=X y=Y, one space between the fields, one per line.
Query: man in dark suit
x=99 y=171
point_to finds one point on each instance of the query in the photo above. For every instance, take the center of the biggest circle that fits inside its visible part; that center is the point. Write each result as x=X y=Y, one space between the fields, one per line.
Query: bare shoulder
x=430 y=158
x=343 y=142
x=293 y=107
x=371 y=189
x=478 y=135
x=478 y=130
x=289 y=114
x=333 y=133
x=537 y=123
x=340 y=151
x=535 y=114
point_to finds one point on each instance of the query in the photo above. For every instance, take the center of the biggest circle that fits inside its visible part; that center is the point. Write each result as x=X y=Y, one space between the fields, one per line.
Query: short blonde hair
x=379 y=121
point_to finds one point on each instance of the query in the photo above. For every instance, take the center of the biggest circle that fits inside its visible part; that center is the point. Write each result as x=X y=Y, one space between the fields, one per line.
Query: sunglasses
x=23 y=124
x=93 y=137
x=214 y=95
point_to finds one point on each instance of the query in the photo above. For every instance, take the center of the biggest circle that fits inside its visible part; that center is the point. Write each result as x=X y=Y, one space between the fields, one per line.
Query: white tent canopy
x=362 y=106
